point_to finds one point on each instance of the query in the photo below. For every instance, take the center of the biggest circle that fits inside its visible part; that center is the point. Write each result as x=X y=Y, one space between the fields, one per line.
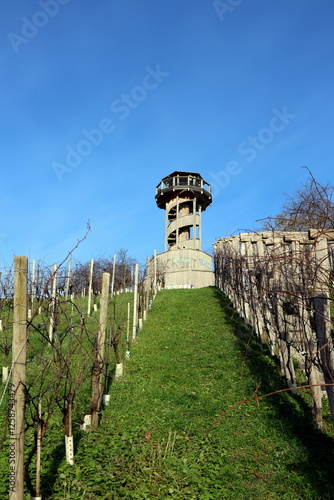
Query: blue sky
x=100 y=100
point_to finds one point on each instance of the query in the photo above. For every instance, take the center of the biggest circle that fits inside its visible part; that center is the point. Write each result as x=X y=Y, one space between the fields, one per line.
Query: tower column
x=177 y=218
x=200 y=227
x=194 y=222
x=166 y=231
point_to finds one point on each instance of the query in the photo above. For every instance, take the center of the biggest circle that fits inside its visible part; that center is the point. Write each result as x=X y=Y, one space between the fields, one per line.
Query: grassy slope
x=163 y=436
x=157 y=439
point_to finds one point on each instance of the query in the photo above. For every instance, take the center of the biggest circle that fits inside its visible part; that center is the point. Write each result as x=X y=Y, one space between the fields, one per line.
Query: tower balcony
x=183 y=184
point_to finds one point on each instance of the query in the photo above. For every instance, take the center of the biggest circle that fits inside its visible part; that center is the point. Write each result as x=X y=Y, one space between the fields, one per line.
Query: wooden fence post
x=91 y=265
x=97 y=383
x=307 y=338
x=38 y=452
x=244 y=280
x=32 y=285
x=261 y=303
x=17 y=387
x=135 y=305
x=53 y=303
x=68 y=278
x=284 y=341
x=155 y=271
x=113 y=275
x=127 y=353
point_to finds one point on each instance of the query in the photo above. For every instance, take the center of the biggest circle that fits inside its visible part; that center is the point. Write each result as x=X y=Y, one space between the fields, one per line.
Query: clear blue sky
x=100 y=100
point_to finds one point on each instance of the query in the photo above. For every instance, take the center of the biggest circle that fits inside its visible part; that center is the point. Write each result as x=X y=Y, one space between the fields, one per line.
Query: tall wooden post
x=17 y=387
x=90 y=285
x=68 y=278
x=38 y=282
x=127 y=353
x=38 y=451
x=135 y=305
x=32 y=289
x=155 y=271
x=113 y=275
x=200 y=227
x=307 y=340
x=97 y=383
x=53 y=302
x=283 y=336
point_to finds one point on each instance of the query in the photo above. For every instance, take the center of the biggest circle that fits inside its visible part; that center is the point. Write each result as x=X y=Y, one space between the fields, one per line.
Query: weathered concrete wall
x=182 y=268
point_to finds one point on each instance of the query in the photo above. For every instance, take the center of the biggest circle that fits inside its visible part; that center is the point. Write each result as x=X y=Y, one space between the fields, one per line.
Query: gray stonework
x=182 y=268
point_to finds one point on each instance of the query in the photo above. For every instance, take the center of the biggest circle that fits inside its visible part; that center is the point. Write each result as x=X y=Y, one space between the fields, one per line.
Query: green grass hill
x=174 y=428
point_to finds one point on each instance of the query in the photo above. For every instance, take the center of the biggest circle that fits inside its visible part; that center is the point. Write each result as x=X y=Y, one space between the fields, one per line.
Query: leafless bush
x=311 y=206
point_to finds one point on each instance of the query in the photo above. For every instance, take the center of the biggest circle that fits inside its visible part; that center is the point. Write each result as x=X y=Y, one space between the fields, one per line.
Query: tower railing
x=184 y=182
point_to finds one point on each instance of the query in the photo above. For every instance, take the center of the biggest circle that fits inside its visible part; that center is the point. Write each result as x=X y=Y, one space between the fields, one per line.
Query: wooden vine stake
x=32 y=289
x=155 y=271
x=68 y=278
x=38 y=453
x=97 y=383
x=113 y=275
x=91 y=266
x=53 y=303
x=17 y=387
x=127 y=353
x=135 y=305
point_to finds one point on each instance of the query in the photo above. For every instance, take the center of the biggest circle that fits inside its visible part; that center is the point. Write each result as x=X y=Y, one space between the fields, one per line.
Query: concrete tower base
x=181 y=268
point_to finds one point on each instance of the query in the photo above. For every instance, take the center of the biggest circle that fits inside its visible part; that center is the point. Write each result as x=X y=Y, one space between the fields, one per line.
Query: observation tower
x=184 y=196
